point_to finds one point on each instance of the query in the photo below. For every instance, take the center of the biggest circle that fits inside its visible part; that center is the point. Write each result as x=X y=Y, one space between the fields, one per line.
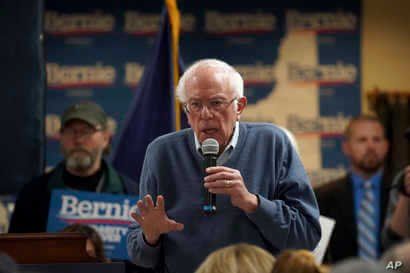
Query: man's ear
x=107 y=135
x=242 y=102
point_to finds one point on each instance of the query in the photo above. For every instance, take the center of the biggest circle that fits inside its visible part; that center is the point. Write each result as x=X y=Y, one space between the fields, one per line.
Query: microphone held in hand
x=210 y=150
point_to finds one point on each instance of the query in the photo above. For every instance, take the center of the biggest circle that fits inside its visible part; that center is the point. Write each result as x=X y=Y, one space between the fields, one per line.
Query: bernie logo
x=95 y=212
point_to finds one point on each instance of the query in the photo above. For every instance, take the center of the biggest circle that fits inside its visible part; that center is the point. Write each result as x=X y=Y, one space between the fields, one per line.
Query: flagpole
x=175 y=21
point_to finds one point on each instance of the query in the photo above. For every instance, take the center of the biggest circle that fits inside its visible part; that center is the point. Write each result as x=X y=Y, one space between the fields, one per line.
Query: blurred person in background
x=397 y=222
x=95 y=245
x=84 y=139
x=358 y=201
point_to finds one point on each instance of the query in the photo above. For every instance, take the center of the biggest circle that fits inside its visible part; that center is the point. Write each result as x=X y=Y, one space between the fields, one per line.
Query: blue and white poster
x=300 y=62
x=108 y=214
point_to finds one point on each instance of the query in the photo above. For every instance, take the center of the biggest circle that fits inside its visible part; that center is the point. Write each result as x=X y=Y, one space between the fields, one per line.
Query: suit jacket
x=336 y=200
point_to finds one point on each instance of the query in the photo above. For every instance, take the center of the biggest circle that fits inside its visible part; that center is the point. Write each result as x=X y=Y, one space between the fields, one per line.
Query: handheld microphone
x=210 y=149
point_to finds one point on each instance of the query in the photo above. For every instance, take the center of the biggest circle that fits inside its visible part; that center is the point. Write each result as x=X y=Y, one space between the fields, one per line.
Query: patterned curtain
x=393 y=109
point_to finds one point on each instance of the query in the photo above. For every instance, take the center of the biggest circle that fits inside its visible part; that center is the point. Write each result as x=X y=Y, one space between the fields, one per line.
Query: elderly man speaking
x=263 y=195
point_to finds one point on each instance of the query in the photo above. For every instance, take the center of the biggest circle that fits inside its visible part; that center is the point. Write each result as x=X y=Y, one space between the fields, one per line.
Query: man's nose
x=371 y=145
x=206 y=113
x=79 y=137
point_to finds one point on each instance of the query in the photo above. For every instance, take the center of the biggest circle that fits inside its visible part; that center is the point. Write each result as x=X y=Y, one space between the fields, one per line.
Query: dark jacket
x=32 y=204
x=335 y=200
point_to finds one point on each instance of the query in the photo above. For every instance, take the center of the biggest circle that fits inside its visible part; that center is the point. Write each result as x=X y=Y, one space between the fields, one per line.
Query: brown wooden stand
x=46 y=248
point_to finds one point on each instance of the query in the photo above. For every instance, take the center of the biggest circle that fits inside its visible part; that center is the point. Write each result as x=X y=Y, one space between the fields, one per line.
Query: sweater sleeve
x=290 y=219
x=139 y=251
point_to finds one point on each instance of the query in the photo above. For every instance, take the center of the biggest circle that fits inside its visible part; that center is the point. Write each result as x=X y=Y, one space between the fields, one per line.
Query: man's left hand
x=224 y=180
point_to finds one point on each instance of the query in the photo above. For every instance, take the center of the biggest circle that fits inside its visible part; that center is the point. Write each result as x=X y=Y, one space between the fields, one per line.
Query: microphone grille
x=210 y=146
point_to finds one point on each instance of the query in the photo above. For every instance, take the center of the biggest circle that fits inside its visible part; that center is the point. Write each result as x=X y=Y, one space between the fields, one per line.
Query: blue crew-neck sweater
x=287 y=215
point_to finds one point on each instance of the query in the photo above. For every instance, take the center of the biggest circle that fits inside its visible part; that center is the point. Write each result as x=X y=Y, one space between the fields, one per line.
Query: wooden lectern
x=46 y=248
x=54 y=253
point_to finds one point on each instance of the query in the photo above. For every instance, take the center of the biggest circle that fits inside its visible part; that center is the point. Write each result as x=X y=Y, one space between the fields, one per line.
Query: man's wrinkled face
x=209 y=88
x=366 y=147
x=82 y=145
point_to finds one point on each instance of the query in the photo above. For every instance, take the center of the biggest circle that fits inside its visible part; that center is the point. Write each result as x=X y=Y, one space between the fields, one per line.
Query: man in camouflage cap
x=84 y=137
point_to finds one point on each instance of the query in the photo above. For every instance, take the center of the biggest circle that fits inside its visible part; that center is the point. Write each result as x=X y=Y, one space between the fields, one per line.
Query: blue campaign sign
x=109 y=214
x=300 y=61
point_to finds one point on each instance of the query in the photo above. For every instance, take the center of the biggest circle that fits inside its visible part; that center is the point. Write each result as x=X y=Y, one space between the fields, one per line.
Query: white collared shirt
x=228 y=149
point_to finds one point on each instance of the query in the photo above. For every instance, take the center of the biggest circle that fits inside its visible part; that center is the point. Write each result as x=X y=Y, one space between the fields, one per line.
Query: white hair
x=235 y=81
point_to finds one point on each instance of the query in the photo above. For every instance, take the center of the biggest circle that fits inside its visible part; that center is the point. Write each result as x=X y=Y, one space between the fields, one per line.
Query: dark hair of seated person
x=97 y=246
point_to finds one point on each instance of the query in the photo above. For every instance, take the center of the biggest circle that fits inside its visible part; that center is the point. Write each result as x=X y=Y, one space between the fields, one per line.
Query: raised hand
x=153 y=220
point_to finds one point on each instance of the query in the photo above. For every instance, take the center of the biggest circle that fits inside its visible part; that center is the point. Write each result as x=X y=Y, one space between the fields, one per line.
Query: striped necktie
x=367 y=233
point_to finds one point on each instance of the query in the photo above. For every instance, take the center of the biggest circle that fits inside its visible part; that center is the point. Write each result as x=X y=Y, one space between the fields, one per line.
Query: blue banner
x=300 y=62
x=108 y=214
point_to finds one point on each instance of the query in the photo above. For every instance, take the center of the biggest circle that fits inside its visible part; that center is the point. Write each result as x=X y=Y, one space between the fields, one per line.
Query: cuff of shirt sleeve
x=263 y=205
x=151 y=245
x=148 y=249
x=262 y=216
x=269 y=220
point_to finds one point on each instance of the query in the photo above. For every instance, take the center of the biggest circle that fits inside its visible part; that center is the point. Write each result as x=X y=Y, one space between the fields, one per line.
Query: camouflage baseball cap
x=89 y=112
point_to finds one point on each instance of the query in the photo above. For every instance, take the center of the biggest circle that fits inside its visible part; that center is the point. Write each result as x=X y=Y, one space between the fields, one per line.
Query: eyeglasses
x=86 y=132
x=216 y=105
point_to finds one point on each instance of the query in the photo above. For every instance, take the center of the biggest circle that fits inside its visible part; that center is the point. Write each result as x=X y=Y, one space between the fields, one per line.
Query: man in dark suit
x=358 y=201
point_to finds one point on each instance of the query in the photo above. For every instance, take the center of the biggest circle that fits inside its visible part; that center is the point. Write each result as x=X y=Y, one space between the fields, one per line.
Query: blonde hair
x=238 y=258
x=298 y=261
